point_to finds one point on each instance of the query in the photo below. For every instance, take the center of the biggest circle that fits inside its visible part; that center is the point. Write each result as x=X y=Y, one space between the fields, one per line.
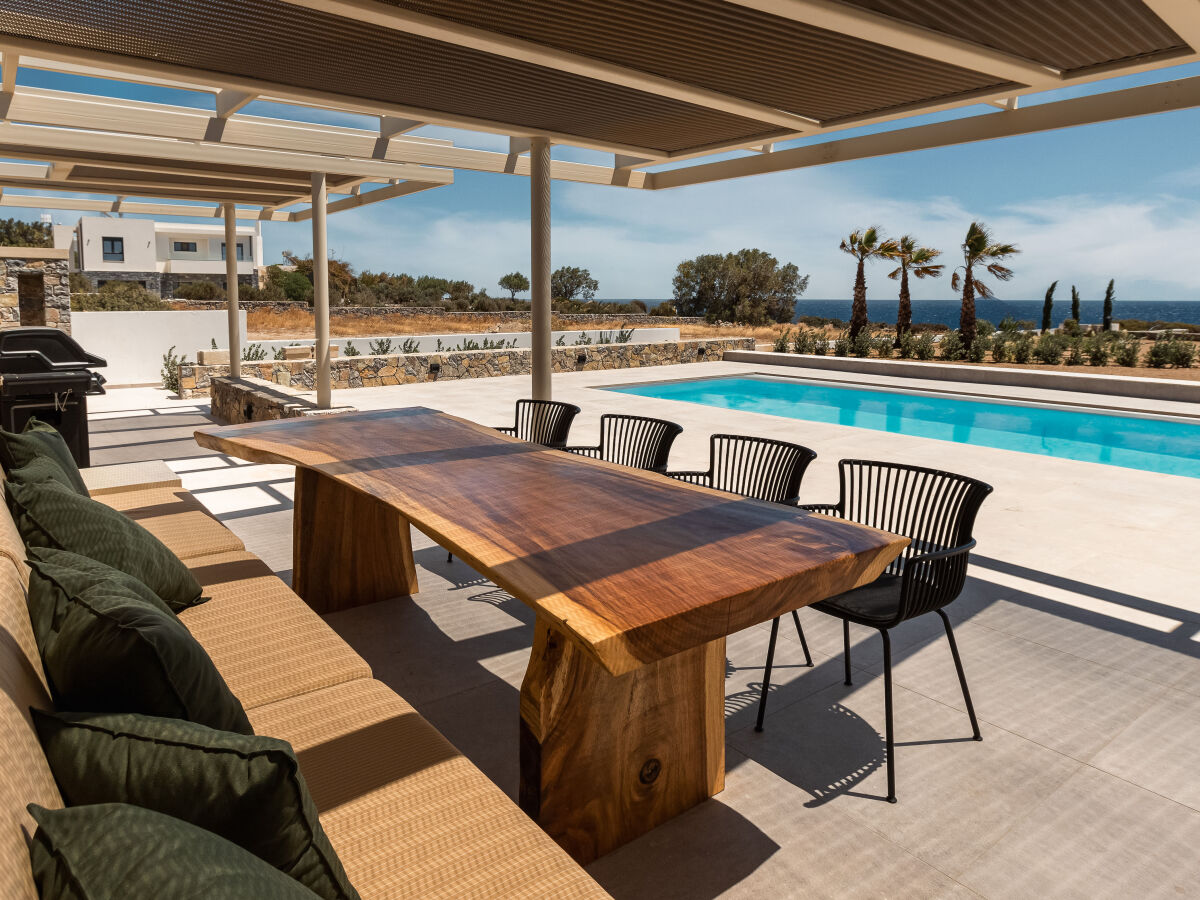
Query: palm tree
x=919 y=262
x=864 y=245
x=979 y=249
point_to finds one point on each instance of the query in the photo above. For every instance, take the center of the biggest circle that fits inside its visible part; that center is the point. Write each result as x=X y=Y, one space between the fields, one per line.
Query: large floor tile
x=1158 y=750
x=1095 y=837
x=956 y=796
x=1061 y=701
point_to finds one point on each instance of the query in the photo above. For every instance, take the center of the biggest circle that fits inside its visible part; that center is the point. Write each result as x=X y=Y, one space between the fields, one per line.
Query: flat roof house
x=160 y=256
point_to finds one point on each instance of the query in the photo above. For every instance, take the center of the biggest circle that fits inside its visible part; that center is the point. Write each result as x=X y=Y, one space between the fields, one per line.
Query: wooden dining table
x=636 y=579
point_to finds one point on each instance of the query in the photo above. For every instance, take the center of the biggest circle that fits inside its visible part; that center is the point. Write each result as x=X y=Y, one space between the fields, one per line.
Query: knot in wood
x=651 y=769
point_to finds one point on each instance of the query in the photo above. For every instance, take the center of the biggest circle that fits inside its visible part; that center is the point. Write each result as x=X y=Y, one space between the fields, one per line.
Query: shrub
x=1070 y=327
x=1022 y=350
x=1049 y=348
x=581 y=341
x=1097 y=348
x=782 y=341
x=1009 y=325
x=254 y=353
x=905 y=349
x=1075 y=351
x=351 y=350
x=1183 y=353
x=923 y=347
x=381 y=347
x=862 y=344
x=279 y=354
x=118 y=296
x=804 y=342
x=1003 y=346
x=410 y=345
x=79 y=283
x=201 y=290
x=170 y=369
x=821 y=344
x=952 y=346
x=502 y=344
x=883 y=345
x=979 y=348
x=984 y=328
x=841 y=344
x=1127 y=351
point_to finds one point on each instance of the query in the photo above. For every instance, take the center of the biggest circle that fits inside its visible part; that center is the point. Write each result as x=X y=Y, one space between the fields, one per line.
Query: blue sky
x=1116 y=200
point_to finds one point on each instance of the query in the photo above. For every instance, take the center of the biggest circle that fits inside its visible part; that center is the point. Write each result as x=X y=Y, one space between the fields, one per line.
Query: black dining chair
x=763 y=468
x=936 y=510
x=545 y=422
x=636 y=441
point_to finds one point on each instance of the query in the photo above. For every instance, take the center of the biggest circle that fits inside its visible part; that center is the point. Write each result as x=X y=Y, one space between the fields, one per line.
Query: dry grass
x=271 y=325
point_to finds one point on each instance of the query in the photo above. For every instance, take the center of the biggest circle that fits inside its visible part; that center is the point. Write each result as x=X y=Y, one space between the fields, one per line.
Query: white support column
x=320 y=198
x=231 y=290
x=539 y=235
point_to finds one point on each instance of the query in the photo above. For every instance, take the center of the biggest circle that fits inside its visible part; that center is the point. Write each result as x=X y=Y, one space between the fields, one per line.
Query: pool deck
x=1079 y=630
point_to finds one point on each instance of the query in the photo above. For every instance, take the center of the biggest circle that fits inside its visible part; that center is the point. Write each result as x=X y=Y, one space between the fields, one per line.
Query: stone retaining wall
x=51 y=306
x=375 y=371
x=238 y=400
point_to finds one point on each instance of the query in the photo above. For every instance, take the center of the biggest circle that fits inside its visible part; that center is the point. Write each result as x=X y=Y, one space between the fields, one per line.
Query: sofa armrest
x=155 y=473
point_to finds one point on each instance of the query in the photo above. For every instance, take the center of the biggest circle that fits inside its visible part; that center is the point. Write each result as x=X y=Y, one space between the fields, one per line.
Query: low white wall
x=134 y=342
x=428 y=343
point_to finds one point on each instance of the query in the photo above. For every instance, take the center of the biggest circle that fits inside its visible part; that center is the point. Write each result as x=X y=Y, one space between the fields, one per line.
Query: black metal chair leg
x=846 y=642
x=766 y=686
x=887 y=703
x=803 y=643
x=449 y=557
x=962 y=678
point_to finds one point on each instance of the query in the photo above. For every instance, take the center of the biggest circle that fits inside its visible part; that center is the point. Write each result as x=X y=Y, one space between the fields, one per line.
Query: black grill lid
x=35 y=349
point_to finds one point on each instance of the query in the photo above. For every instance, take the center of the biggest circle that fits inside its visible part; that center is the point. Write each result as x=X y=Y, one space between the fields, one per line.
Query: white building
x=160 y=256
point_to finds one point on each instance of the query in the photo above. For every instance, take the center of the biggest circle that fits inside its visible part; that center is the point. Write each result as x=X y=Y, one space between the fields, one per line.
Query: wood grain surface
x=605 y=758
x=633 y=566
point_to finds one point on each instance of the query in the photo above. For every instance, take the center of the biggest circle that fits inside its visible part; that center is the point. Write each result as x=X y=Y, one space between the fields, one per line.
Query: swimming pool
x=1170 y=446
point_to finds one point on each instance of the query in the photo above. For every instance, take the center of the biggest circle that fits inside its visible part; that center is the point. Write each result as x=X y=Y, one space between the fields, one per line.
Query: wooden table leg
x=348 y=549
x=605 y=759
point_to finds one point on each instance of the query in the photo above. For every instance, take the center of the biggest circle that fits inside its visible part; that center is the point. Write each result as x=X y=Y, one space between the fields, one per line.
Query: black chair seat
x=872 y=604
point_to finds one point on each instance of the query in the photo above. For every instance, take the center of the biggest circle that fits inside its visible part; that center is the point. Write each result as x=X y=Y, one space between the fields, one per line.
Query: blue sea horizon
x=945 y=312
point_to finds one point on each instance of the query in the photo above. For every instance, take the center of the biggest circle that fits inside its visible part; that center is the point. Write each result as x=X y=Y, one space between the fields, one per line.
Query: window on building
x=241 y=251
x=185 y=246
x=113 y=249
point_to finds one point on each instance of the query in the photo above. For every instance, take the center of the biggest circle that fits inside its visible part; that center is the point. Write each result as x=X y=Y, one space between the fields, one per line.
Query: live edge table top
x=631 y=565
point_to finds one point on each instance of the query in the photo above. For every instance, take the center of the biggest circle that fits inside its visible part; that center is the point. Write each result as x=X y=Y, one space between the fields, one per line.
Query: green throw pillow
x=39 y=439
x=247 y=789
x=39 y=469
x=112 y=851
x=108 y=650
x=49 y=515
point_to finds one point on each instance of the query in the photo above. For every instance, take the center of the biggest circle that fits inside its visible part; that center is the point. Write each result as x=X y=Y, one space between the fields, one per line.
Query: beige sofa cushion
x=24 y=775
x=127 y=476
x=263 y=639
x=407 y=813
x=177 y=519
x=12 y=547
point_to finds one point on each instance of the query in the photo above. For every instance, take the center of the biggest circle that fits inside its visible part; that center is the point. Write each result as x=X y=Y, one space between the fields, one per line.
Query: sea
x=945 y=312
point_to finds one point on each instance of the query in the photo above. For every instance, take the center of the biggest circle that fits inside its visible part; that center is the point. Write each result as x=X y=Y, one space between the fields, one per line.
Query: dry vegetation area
x=273 y=325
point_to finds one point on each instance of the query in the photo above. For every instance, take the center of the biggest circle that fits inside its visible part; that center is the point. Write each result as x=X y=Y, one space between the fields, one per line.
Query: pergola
x=680 y=92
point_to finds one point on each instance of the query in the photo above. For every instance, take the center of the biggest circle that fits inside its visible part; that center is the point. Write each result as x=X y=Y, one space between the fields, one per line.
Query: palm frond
x=998 y=271
x=955 y=281
x=928 y=271
x=896 y=273
x=983 y=292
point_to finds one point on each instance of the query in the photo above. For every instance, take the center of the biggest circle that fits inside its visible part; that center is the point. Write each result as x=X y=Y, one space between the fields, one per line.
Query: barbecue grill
x=45 y=373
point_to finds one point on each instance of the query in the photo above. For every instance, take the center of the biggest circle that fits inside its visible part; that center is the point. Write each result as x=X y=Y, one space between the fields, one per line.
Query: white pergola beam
x=1140 y=101
x=92 y=204
x=39 y=106
x=916 y=39
x=229 y=101
x=368 y=197
x=398 y=19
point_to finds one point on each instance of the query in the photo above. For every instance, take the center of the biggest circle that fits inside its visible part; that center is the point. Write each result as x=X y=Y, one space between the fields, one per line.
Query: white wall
x=140 y=255
x=428 y=342
x=133 y=342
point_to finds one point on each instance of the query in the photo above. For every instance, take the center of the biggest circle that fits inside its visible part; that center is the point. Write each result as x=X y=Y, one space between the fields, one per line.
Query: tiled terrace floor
x=1079 y=629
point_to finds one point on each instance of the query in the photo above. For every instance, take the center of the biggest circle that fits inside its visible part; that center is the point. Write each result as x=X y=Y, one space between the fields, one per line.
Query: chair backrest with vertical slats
x=935 y=509
x=546 y=422
x=758 y=467
x=637 y=441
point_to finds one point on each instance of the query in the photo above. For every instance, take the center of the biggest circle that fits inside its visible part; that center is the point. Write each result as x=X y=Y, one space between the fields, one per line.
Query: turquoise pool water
x=1154 y=445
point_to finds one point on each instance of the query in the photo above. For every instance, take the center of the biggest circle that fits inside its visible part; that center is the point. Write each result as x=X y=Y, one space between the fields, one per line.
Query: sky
x=1115 y=200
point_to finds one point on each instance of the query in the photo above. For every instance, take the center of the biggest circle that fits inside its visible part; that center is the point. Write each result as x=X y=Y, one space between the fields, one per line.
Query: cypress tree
x=1108 y=304
x=1048 y=307
x=1074 y=303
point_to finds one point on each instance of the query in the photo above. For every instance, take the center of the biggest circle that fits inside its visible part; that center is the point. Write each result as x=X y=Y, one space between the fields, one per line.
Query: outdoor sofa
x=408 y=814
